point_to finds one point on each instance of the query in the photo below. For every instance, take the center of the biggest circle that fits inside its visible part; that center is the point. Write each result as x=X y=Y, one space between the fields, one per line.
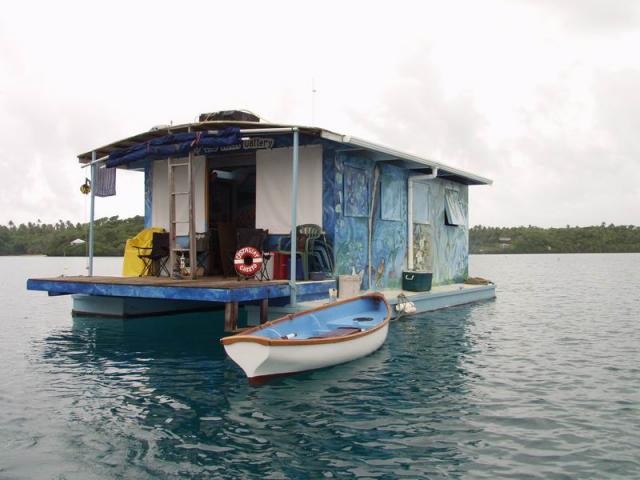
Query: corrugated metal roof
x=384 y=153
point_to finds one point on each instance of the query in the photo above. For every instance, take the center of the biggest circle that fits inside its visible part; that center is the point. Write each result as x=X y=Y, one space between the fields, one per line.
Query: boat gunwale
x=247 y=337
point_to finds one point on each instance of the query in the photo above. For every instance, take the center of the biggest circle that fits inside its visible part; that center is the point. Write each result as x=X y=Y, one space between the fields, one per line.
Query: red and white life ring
x=247 y=261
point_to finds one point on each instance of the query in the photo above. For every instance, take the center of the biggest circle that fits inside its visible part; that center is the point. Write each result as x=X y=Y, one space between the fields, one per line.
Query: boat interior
x=358 y=315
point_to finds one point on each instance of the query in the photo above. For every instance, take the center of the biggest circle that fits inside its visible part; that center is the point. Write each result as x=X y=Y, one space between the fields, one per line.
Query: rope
x=404 y=306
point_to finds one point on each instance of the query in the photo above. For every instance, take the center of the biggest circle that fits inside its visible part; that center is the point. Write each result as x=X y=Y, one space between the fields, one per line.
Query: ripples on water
x=543 y=382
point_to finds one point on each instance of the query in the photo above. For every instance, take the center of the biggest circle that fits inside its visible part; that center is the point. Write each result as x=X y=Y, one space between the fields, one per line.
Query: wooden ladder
x=173 y=222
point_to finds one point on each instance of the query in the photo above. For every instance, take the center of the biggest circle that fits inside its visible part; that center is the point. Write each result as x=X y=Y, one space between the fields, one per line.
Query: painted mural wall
x=440 y=248
x=348 y=189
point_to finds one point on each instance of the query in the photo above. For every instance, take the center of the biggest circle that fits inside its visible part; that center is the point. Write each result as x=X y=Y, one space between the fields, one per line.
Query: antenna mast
x=313 y=101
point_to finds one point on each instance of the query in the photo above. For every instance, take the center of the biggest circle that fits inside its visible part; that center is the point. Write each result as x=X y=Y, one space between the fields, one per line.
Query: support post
x=193 y=254
x=230 y=316
x=264 y=311
x=172 y=219
x=294 y=225
x=92 y=211
x=410 y=224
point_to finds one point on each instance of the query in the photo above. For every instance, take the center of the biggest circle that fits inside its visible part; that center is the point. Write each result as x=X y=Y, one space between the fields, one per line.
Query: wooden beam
x=264 y=310
x=230 y=316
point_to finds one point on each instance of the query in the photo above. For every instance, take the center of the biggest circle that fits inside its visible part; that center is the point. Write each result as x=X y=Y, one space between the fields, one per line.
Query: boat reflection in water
x=162 y=390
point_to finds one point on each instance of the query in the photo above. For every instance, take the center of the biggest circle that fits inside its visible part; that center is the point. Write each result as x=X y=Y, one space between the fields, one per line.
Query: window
x=453 y=211
x=420 y=203
x=391 y=192
x=356 y=192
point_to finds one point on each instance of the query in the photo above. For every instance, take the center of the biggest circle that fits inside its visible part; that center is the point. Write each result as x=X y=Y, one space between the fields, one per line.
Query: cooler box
x=282 y=265
x=416 y=281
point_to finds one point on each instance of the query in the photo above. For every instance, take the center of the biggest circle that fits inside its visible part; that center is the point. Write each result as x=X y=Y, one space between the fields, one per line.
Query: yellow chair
x=132 y=265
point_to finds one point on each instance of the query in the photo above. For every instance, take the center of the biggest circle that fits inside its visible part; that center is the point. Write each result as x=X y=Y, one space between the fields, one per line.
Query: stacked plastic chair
x=314 y=249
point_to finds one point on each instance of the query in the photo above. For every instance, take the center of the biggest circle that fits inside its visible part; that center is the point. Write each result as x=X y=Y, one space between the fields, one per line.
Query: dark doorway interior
x=232 y=205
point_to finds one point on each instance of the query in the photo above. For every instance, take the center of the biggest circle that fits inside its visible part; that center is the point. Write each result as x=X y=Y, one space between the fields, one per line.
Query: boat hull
x=260 y=360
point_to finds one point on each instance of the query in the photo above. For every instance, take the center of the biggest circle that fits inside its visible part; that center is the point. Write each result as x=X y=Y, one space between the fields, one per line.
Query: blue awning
x=175 y=145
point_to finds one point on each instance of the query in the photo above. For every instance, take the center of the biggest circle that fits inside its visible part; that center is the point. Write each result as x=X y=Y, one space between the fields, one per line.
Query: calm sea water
x=543 y=382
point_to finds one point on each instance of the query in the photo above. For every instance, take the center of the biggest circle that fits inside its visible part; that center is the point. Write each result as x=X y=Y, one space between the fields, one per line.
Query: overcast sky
x=541 y=96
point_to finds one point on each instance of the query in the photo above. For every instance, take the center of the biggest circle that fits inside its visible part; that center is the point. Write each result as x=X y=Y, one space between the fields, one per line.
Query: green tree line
x=595 y=239
x=39 y=238
x=111 y=233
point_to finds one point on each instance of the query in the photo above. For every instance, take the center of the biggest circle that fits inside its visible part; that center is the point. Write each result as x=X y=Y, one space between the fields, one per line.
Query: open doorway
x=231 y=206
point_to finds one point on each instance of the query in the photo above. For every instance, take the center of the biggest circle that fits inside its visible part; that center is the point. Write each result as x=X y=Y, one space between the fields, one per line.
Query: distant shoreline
x=111 y=234
x=594 y=239
x=62 y=239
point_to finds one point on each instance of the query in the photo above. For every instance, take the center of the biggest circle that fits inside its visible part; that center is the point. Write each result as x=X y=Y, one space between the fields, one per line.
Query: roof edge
x=361 y=143
x=323 y=133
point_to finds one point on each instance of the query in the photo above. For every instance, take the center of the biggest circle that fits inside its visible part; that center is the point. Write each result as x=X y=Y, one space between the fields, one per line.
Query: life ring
x=247 y=261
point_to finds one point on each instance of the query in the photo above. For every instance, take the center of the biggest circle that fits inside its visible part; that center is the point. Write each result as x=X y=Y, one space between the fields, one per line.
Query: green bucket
x=416 y=281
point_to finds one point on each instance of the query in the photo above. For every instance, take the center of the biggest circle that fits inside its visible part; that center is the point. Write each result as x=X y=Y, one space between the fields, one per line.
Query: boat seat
x=338 y=332
x=350 y=322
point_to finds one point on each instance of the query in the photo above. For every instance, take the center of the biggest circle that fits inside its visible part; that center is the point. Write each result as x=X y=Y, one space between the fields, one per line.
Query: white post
x=410 y=224
x=92 y=211
x=294 y=208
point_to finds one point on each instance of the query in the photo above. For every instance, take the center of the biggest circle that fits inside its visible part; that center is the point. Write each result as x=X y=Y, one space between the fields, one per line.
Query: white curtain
x=273 y=188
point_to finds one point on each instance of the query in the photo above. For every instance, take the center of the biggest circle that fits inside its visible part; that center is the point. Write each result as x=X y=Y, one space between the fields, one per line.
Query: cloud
x=592 y=16
x=540 y=96
x=41 y=176
x=563 y=150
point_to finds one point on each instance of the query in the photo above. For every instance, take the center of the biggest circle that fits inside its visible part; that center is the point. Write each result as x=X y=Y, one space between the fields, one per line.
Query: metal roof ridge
x=324 y=133
x=362 y=143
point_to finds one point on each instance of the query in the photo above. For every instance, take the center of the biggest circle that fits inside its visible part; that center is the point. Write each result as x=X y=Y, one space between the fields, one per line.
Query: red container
x=280 y=266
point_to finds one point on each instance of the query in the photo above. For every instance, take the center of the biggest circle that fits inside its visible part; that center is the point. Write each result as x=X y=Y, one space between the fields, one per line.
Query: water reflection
x=185 y=335
x=165 y=385
x=516 y=388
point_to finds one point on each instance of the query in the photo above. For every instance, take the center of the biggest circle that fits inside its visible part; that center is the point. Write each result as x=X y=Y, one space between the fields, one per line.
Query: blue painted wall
x=440 y=248
x=343 y=200
x=329 y=192
x=347 y=203
x=451 y=243
x=351 y=232
x=390 y=227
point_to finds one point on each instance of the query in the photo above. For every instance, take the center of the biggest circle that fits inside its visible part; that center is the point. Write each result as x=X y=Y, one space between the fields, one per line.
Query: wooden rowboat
x=328 y=335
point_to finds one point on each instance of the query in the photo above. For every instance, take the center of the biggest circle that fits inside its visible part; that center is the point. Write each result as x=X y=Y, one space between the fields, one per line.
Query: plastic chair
x=306 y=236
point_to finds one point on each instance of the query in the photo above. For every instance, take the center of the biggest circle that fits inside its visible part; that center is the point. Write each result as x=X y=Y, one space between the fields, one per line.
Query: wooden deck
x=210 y=289
x=202 y=282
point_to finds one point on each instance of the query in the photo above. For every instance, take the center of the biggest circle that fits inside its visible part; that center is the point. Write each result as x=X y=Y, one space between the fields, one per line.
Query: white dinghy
x=328 y=335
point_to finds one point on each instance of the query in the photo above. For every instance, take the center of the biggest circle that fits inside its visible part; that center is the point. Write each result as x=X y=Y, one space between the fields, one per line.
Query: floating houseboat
x=320 y=210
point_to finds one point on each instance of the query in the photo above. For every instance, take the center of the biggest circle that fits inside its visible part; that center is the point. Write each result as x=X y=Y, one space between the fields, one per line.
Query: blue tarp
x=175 y=145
